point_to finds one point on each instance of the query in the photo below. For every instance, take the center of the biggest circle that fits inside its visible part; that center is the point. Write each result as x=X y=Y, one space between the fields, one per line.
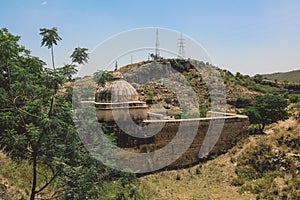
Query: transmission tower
x=181 y=43
x=116 y=66
x=157 y=46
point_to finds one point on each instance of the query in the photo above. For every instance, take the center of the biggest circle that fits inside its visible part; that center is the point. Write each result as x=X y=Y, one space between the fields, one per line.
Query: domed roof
x=118 y=91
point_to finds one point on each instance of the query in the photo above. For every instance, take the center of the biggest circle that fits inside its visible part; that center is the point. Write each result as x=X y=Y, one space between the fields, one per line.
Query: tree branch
x=49 y=182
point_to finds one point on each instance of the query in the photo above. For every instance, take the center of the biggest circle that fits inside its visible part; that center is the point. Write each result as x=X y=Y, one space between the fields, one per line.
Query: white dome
x=118 y=91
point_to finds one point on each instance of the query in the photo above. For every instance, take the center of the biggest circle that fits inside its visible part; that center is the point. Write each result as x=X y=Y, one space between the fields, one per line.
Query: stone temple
x=117 y=98
x=119 y=101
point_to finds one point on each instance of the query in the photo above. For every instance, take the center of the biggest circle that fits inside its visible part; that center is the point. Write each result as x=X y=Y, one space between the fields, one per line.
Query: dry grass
x=213 y=179
x=208 y=181
x=16 y=176
x=9 y=179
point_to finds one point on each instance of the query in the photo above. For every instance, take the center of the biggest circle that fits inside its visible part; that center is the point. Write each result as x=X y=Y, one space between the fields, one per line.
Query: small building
x=118 y=100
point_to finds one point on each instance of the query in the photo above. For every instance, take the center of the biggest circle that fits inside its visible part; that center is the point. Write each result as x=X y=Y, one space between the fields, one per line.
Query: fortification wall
x=235 y=126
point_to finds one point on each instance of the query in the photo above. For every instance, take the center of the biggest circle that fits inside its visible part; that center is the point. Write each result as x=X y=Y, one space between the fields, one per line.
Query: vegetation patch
x=268 y=169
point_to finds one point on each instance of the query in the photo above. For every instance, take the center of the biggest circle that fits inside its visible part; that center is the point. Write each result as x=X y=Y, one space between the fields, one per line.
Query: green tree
x=28 y=131
x=101 y=77
x=266 y=110
x=45 y=136
x=80 y=55
x=253 y=115
x=294 y=98
x=258 y=78
x=24 y=104
x=50 y=38
x=68 y=70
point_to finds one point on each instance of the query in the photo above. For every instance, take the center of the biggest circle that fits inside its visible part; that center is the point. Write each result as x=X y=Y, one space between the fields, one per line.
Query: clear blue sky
x=251 y=36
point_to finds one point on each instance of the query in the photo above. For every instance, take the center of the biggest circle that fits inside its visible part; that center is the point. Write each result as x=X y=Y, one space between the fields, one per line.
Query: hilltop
x=240 y=90
x=152 y=81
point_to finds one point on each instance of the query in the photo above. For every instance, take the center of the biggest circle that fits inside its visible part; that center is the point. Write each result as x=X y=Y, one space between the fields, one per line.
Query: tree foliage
x=101 y=77
x=266 y=110
x=258 y=78
x=50 y=38
x=80 y=55
x=38 y=127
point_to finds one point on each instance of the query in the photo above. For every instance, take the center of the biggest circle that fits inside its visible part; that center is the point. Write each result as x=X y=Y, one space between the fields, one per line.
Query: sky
x=250 y=36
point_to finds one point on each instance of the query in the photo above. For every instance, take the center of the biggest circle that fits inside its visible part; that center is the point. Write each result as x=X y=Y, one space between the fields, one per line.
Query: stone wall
x=235 y=126
x=121 y=111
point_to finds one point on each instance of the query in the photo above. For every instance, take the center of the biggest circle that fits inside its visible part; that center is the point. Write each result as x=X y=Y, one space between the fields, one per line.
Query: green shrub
x=150 y=94
x=242 y=102
x=177 y=116
x=134 y=193
x=247 y=172
x=198 y=170
x=294 y=98
x=237 y=181
x=203 y=109
x=168 y=100
x=260 y=168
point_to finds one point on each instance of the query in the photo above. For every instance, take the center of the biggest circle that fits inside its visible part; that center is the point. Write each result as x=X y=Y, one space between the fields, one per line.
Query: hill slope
x=151 y=79
x=262 y=167
x=292 y=76
x=194 y=74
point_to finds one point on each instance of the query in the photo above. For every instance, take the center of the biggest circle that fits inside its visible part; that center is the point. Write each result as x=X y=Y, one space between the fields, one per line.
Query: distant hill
x=292 y=76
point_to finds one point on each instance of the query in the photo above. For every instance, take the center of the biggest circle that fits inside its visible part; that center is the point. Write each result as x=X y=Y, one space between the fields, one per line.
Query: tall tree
x=50 y=38
x=49 y=143
x=28 y=132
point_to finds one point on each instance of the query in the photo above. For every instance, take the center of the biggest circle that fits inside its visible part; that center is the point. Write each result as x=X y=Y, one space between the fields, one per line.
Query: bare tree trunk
x=262 y=128
x=52 y=54
x=52 y=103
x=34 y=176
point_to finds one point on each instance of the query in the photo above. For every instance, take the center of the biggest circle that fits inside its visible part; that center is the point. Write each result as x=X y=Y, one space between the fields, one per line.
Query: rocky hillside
x=154 y=81
x=157 y=82
x=163 y=81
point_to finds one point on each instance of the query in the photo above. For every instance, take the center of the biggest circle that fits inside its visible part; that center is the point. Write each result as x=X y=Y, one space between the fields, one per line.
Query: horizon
x=253 y=37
